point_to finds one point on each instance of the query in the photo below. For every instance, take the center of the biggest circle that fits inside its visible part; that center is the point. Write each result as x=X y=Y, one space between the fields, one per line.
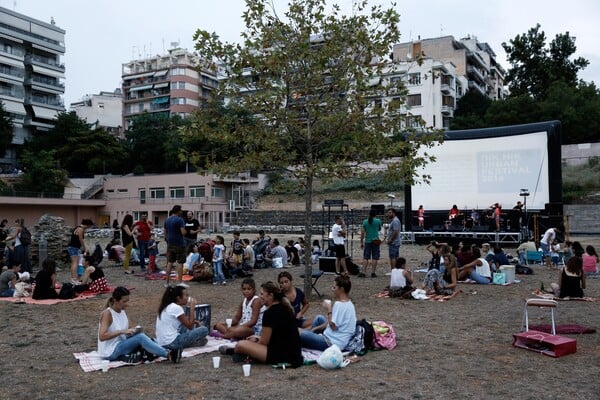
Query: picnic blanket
x=564 y=329
x=441 y=298
x=550 y=296
x=161 y=276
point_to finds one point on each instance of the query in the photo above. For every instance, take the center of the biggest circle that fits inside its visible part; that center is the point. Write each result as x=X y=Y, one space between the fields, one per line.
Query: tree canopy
x=6 y=130
x=307 y=81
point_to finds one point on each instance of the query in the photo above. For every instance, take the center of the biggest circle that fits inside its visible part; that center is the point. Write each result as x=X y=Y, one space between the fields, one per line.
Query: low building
x=103 y=110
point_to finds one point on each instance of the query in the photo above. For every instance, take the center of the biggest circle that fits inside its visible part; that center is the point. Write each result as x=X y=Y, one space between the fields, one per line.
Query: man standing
x=393 y=237
x=142 y=229
x=338 y=233
x=547 y=240
x=192 y=227
x=174 y=232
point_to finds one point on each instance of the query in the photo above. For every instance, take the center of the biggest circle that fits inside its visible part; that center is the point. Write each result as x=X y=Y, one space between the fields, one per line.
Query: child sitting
x=401 y=283
x=244 y=323
x=554 y=255
x=316 y=252
x=22 y=287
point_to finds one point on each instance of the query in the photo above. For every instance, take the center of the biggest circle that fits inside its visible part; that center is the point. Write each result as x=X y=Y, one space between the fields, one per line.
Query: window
x=157 y=193
x=377 y=103
x=177 y=192
x=122 y=190
x=395 y=103
x=413 y=100
x=218 y=192
x=414 y=79
x=177 y=85
x=178 y=71
x=142 y=196
x=141 y=107
x=178 y=100
x=100 y=105
x=413 y=121
x=197 y=191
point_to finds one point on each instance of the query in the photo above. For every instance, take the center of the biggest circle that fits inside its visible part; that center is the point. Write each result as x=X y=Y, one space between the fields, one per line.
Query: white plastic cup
x=327 y=301
x=105 y=364
x=229 y=321
x=246 y=369
x=216 y=362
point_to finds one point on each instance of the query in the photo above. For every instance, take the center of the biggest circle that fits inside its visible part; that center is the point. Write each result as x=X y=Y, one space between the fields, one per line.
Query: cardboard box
x=545 y=343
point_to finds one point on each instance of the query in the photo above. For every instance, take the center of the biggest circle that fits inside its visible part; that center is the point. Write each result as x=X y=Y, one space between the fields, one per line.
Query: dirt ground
x=455 y=349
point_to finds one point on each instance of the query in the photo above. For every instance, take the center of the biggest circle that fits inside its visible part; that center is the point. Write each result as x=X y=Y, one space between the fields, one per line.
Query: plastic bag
x=331 y=358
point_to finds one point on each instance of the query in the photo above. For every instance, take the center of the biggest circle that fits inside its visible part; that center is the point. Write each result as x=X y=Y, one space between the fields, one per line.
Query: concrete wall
x=578 y=154
x=583 y=218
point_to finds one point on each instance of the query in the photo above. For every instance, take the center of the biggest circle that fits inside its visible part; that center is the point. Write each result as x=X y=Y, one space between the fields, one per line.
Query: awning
x=45 y=113
x=161 y=100
x=14 y=107
x=47 y=71
x=161 y=85
x=142 y=75
x=11 y=38
x=138 y=88
x=161 y=73
x=13 y=62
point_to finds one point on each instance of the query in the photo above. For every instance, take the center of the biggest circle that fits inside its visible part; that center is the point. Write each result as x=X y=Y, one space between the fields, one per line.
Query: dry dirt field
x=446 y=350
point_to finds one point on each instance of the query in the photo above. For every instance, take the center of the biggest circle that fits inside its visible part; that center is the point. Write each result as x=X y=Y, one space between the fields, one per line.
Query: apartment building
x=474 y=60
x=31 y=76
x=176 y=83
x=103 y=110
x=433 y=88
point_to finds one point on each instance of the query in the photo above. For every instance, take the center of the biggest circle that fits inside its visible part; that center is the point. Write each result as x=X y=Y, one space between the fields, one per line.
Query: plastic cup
x=246 y=369
x=138 y=329
x=216 y=362
x=105 y=364
x=229 y=322
x=327 y=301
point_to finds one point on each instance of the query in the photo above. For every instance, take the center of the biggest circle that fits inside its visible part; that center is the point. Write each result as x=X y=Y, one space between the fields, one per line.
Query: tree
x=6 y=130
x=534 y=66
x=308 y=82
x=470 y=111
x=42 y=175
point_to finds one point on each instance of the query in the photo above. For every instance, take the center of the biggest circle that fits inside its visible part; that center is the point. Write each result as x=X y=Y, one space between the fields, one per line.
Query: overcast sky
x=101 y=35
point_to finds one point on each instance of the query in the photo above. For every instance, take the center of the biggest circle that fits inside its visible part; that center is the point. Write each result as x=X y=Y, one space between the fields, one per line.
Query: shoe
x=361 y=275
x=215 y=283
x=133 y=358
x=226 y=350
x=128 y=272
x=224 y=283
x=147 y=356
x=202 y=342
x=175 y=355
x=183 y=285
x=373 y=275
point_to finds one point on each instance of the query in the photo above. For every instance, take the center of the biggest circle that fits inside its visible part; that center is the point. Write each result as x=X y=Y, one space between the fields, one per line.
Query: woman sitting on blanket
x=296 y=298
x=339 y=325
x=93 y=279
x=401 y=283
x=246 y=320
x=571 y=281
x=478 y=270
x=117 y=341
x=590 y=260
x=279 y=341
x=442 y=283
x=177 y=329
x=45 y=281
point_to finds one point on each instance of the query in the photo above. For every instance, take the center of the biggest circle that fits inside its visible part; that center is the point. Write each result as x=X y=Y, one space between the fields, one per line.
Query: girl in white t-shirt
x=177 y=329
x=400 y=280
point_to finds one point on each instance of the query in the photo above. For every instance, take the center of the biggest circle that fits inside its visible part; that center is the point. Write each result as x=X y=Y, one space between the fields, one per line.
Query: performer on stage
x=497 y=211
x=475 y=217
x=421 y=216
x=453 y=213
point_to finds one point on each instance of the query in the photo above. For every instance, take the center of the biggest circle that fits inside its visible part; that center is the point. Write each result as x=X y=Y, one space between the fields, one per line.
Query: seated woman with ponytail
x=116 y=340
x=279 y=342
x=174 y=329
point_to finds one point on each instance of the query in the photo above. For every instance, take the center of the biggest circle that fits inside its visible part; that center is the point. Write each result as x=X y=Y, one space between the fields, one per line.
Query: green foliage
x=42 y=177
x=580 y=181
x=374 y=183
x=470 y=111
x=6 y=130
x=534 y=65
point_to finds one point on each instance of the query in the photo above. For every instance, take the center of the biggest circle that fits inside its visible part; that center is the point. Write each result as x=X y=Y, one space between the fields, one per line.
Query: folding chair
x=534 y=257
x=316 y=275
x=542 y=303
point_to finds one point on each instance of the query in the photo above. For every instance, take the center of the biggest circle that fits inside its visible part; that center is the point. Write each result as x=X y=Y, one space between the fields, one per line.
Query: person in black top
x=45 y=281
x=192 y=227
x=279 y=342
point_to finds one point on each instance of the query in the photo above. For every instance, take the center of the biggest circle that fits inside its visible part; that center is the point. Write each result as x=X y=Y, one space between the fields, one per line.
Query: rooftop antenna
x=441 y=30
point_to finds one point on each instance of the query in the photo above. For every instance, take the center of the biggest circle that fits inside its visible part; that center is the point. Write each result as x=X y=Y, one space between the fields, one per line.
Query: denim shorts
x=371 y=251
x=394 y=250
x=74 y=251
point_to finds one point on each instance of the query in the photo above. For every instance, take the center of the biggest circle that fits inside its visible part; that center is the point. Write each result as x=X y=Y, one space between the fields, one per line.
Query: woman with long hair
x=127 y=240
x=370 y=243
x=177 y=328
x=571 y=281
x=590 y=260
x=117 y=340
x=76 y=248
x=296 y=298
x=279 y=342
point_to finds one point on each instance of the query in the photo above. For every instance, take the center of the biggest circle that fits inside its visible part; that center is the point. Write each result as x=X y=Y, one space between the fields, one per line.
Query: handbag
x=202 y=271
x=376 y=242
x=499 y=278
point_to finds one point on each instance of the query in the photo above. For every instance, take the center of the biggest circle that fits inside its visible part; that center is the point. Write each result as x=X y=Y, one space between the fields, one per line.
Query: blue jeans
x=523 y=257
x=218 y=271
x=143 y=250
x=188 y=337
x=394 y=250
x=8 y=293
x=545 y=249
x=313 y=340
x=132 y=344
x=483 y=280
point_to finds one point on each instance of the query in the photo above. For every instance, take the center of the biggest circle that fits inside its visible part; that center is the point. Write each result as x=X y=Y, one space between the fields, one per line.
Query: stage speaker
x=554 y=208
x=327 y=264
x=378 y=208
x=480 y=228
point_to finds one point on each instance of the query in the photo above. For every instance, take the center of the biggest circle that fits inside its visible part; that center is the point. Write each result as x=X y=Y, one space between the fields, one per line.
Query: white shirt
x=335 y=233
x=549 y=236
x=397 y=280
x=119 y=323
x=167 y=326
x=484 y=269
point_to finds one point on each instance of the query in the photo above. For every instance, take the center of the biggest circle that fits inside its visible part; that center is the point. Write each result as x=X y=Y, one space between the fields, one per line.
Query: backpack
x=384 y=335
x=67 y=291
x=523 y=270
x=237 y=247
x=368 y=334
x=25 y=236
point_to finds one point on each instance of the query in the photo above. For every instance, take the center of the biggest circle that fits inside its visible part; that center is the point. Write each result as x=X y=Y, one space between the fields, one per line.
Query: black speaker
x=554 y=208
x=378 y=208
x=327 y=264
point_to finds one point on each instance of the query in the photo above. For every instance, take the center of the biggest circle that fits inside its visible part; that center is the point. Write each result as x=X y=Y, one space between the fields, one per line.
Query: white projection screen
x=477 y=168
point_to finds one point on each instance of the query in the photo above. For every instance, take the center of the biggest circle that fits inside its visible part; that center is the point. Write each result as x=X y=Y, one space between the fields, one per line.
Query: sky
x=101 y=35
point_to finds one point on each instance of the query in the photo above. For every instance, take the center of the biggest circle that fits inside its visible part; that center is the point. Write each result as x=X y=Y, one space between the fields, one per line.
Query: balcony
x=476 y=74
x=445 y=88
x=448 y=111
x=12 y=92
x=45 y=62
x=45 y=101
x=479 y=88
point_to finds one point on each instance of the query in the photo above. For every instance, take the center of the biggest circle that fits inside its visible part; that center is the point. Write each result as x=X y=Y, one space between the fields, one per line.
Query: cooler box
x=509 y=273
x=545 y=343
x=202 y=313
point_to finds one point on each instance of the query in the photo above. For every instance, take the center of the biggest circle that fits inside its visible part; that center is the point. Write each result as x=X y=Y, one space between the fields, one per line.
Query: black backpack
x=67 y=291
x=369 y=334
x=25 y=236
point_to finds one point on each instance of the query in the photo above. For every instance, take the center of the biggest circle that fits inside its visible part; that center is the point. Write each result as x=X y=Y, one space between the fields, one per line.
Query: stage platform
x=424 y=237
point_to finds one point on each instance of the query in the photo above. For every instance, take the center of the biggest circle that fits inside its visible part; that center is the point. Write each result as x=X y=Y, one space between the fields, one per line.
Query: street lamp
x=391 y=196
x=524 y=193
